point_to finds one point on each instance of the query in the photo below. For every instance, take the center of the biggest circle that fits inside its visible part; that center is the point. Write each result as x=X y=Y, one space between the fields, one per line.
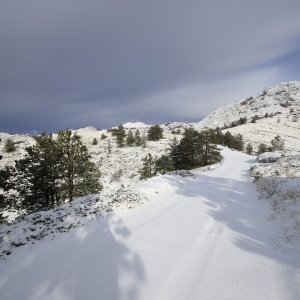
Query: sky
x=74 y=63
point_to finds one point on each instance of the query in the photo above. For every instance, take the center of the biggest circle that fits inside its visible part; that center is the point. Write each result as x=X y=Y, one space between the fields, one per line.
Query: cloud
x=69 y=63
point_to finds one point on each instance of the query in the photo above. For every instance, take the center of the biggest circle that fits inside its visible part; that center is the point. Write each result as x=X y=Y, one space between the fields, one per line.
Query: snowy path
x=203 y=238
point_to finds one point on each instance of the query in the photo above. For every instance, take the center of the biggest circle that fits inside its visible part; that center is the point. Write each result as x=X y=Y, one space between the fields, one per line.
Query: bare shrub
x=268 y=186
x=117 y=175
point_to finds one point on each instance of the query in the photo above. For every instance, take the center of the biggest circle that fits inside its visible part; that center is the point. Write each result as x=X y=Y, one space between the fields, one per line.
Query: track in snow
x=203 y=238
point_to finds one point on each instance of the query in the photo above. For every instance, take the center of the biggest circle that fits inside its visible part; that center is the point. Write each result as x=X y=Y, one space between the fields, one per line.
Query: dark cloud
x=71 y=63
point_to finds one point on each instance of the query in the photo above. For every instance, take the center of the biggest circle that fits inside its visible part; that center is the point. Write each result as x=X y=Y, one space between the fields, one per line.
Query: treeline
x=195 y=149
x=52 y=171
x=154 y=133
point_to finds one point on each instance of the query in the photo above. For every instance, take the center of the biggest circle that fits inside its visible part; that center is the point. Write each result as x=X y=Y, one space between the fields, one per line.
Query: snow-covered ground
x=119 y=167
x=283 y=98
x=265 y=130
x=281 y=103
x=201 y=237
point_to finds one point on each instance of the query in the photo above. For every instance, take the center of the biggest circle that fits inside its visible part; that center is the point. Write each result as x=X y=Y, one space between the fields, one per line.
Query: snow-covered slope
x=264 y=130
x=278 y=112
x=119 y=167
x=21 y=141
x=206 y=237
x=283 y=98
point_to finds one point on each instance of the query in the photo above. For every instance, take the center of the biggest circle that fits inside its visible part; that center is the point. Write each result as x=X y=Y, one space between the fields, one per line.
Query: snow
x=135 y=125
x=283 y=98
x=265 y=130
x=201 y=237
x=281 y=102
x=269 y=156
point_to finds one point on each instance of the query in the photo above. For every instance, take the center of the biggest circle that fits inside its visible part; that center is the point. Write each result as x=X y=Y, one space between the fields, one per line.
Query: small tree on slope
x=79 y=175
x=148 y=170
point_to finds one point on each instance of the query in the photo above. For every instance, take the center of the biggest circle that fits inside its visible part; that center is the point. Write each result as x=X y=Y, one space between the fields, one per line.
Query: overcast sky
x=73 y=63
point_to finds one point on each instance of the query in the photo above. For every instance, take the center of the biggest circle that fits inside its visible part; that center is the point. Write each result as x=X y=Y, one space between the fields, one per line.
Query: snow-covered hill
x=119 y=167
x=283 y=98
x=260 y=118
x=201 y=237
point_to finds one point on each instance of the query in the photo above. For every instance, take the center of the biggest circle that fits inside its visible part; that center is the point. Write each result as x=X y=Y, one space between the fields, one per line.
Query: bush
x=9 y=146
x=268 y=186
x=117 y=175
x=155 y=133
x=95 y=142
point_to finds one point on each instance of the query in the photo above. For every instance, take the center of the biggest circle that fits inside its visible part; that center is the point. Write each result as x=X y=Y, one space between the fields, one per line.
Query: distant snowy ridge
x=283 y=98
x=137 y=125
x=274 y=111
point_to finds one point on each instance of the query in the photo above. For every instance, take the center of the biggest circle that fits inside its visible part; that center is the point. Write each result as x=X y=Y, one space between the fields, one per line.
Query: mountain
x=260 y=118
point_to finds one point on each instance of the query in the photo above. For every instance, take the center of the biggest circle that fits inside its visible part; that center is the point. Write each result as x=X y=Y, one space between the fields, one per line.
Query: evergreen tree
x=37 y=175
x=138 y=139
x=238 y=143
x=163 y=164
x=249 y=149
x=120 y=134
x=148 y=169
x=211 y=153
x=234 y=142
x=95 y=142
x=103 y=136
x=130 y=140
x=217 y=137
x=175 y=153
x=7 y=201
x=9 y=146
x=51 y=171
x=262 y=148
x=155 y=133
x=79 y=176
x=228 y=140
x=191 y=149
x=277 y=143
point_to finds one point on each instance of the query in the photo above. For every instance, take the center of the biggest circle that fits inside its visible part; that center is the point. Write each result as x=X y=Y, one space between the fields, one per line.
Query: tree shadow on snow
x=235 y=204
x=87 y=263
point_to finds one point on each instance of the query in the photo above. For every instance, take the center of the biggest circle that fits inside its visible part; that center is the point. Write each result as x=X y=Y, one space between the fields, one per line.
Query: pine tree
x=148 y=169
x=249 y=149
x=138 y=139
x=175 y=153
x=163 y=164
x=277 y=143
x=37 y=176
x=262 y=148
x=155 y=133
x=7 y=200
x=130 y=140
x=79 y=175
x=228 y=139
x=9 y=146
x=95 y=142
x=120 y=134
x=211 y=153
x=191 y=150
x=234 y=142
x=217 y=137
x=238 y=143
